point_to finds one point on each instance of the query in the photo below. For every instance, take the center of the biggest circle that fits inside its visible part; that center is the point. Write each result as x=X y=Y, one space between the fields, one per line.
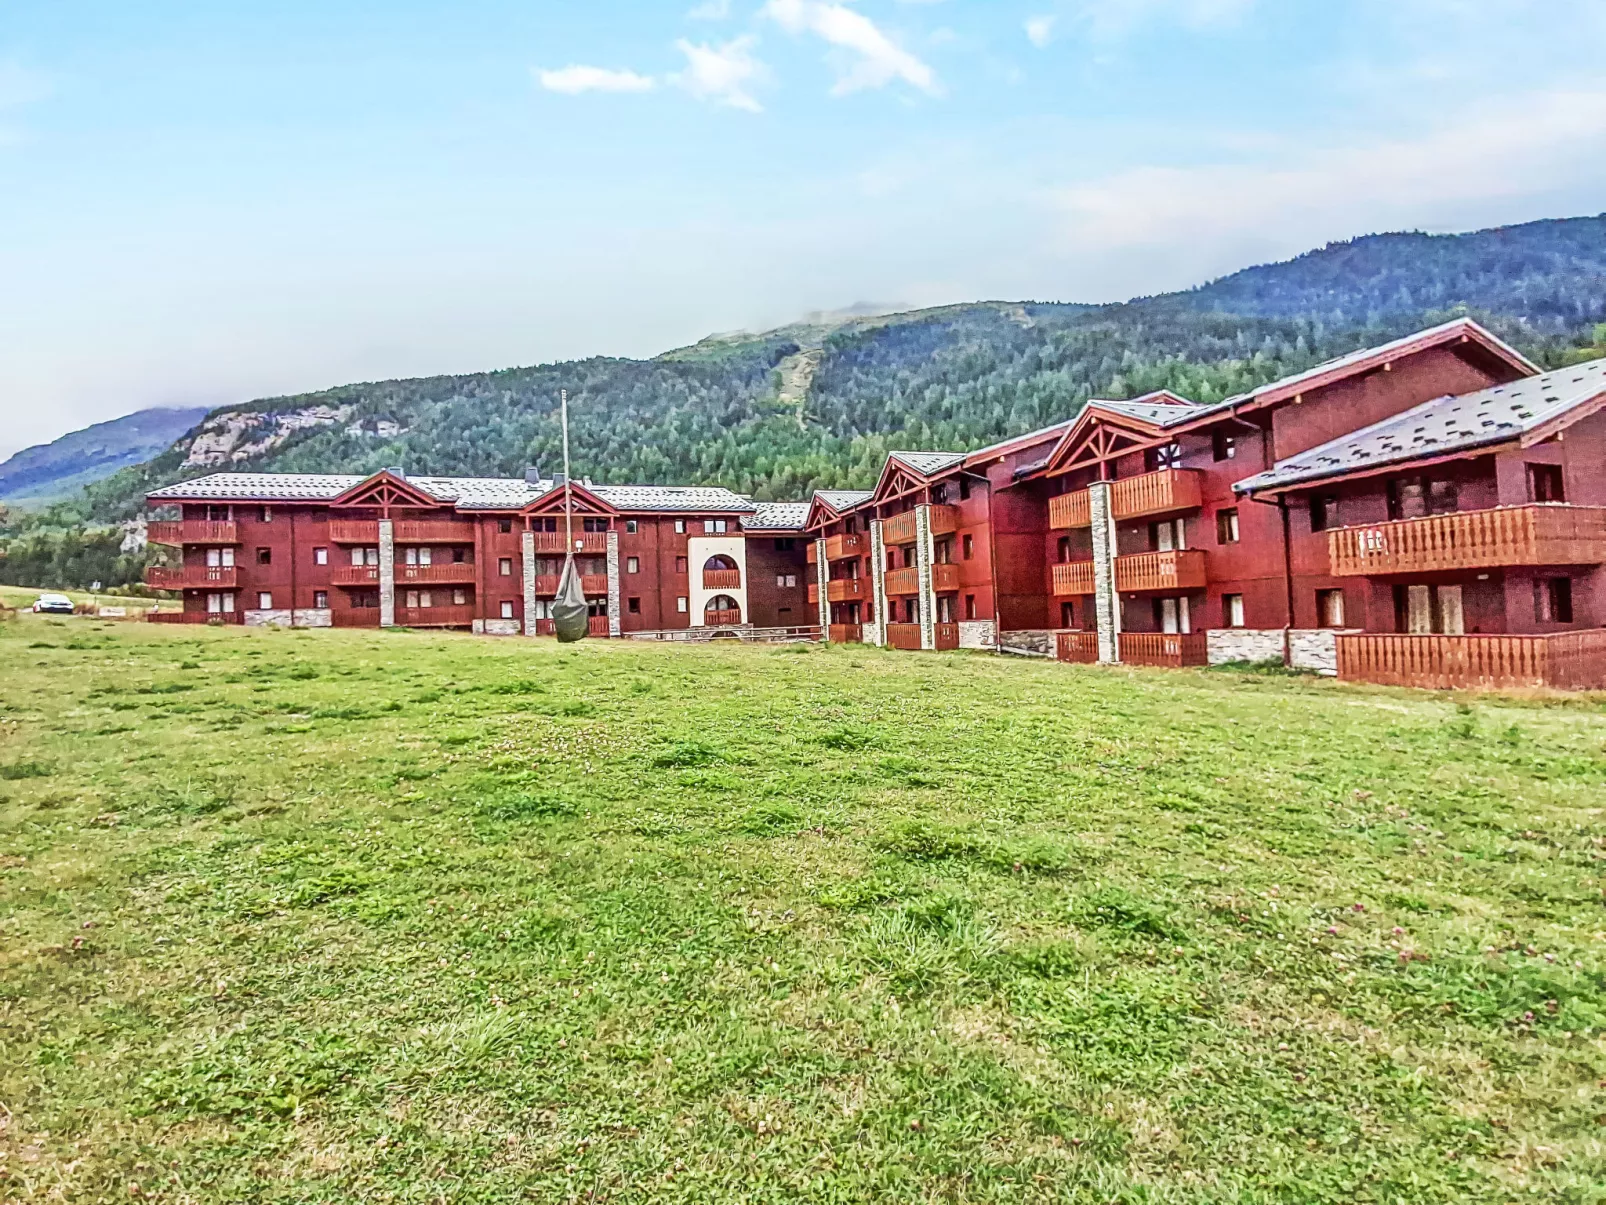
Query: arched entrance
x=721 y=573
x=722 y=611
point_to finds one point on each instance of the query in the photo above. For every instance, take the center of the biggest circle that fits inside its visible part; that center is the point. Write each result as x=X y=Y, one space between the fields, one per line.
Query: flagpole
x=568 y=488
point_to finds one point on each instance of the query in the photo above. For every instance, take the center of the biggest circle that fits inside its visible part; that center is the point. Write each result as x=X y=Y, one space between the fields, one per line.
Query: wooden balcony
x=1158 y=493
x=433 y=531
x=451 y=573
x=192 y=531
x=218 y=617
x=904 y=636
x=354 y=531
x=1564 y=661
x=722 y=579
x=596 y=625
x=947 y=636
x=434 y=617
x=591 y=583
x=1169 y=650
x=722 y=619
x=354 y=575
x=1158 y=572
x=852 y=544
x=595 y=542
x=902 y=582
x=356 y=617
x=192 y=577
x=847 y=633
x=900 y=529
x=944 y=578
x=1538 y=534
x=1079 y=648
x=847 y=589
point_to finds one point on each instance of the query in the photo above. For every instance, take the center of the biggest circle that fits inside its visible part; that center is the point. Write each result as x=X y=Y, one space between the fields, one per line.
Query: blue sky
x=201 y=203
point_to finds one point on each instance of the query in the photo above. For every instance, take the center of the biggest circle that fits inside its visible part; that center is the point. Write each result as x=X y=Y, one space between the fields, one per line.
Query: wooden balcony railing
x=851 y=544
x=1142 y=571
x=584 y=541
x=1537 y=534
x=448 y=573
x=1158 y=493
x=722 y=619
x=900 y=529
x=356 y=617
x=947 y=636
x=904 y=636
x=354 y=575
x=435 y=617
x=1080 y=648
x=192 y=577
x=1171 y=650
x=195 y=617
x=901 y=582
x=847 y=589
x=192 y=531
x=944 y=578
x=433 y=531
x=354 y=531
x=591 y=583
x=596 y=625
x=1564 y=661
x=847 y=633
x=722 y=579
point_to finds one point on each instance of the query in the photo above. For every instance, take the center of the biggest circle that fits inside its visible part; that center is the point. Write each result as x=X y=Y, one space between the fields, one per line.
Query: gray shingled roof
x=927 y=463
x=1444 y=425
x=467 y=493
x=778 y=516
x=841 y=500
x=1161 y=416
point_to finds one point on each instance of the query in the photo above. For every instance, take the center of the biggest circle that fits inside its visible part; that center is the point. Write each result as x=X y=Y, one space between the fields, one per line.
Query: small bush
x=26 y=769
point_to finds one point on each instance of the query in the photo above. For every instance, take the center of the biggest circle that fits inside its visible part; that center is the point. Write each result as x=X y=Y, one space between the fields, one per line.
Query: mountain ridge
x=47 y=472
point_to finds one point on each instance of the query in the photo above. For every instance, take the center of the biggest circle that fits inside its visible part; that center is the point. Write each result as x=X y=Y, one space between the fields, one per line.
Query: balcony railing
x=1564 y=661
x=722 y=619
x=847 y=633
x=1171 y=650
x=847 y=589
x=192 y=531
x=435 y=617
x=353 y=531
x=192 y=577
x=1158 y=493
x=849 y=544
x=722 y=579
x=947 y=635
x=447 y=574
x=944 y=578
x=901 y=582
x=584 y=541
x=590 y=583
x=356 y=617
x=1139 y=572
x=433 y=531
x=900 y=529
x=1079 y=648
x=355 y=575
x=904 y=636
x=1538 y=534
x=596 y=625
x=195 y=617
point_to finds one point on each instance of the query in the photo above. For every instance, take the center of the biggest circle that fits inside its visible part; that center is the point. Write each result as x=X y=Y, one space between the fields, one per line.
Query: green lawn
x=350 y=916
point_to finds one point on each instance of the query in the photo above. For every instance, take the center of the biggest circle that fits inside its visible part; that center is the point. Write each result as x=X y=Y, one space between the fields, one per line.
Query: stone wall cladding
x=527 y=564
x=1041 y=641
x=1313 y=650
x=875 y=631
x=279 y=617
x=925 y=553
x=387 y=574
x=822 y=575
x=976 y=634
x=615 y=603
x=1106 y=602
x=498 y=627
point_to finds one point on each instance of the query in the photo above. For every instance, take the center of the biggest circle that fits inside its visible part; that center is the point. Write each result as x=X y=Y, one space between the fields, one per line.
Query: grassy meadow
x=352 y=916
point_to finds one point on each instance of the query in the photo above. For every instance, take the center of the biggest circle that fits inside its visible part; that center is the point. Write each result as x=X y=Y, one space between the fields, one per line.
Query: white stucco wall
x=698 y=550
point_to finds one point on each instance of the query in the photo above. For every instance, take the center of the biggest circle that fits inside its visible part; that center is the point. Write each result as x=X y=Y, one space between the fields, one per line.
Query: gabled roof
x=1528 y=411
x=674 y=498
x=1106 y=427
x=259 y=487
x=777 y=516
x=583 y=499
x=927 y=463
x=1016 y=442
x=828 y=505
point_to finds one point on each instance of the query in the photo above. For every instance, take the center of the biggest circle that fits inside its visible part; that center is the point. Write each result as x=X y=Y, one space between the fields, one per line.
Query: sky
x=203 y=203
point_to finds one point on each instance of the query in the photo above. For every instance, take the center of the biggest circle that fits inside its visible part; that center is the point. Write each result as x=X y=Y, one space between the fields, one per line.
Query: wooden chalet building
x=484 y=554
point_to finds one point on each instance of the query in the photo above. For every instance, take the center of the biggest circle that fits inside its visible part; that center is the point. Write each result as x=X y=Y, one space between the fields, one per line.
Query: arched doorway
x=722 y=611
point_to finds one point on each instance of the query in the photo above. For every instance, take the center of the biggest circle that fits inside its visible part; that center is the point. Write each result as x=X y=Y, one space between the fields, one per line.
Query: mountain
x=818 y=403
x=51 y=471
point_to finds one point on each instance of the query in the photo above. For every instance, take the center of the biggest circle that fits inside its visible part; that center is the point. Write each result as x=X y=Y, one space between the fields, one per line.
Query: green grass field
x=22 y=597
x=348 y=916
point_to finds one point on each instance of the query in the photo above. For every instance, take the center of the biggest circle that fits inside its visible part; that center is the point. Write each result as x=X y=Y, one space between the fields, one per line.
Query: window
x=365 y=599
x=1553 y=600
x=265 y=514
x=1167 y=457
x=939 y=494
x=1545 y=483
x=1062 y=550
x=964 y=488
x=1425 y=610
x=970 y=606
x=594 y=525
x=968 y=546
x=1167 y=536
x=264 y=556
x=1227 y=525
x=1223 y=444
x=419 y=556
x=507 y=608
x=785 y=544
x=504 y=566
x=1330 y=608
x=543 y=608
x=459 y=598
x=550 y=523
x=504 y=525
x=632 y=564
x=459 y=556
x=681 y=605
x=1415 y=497
x=320 y=600
x=713 y=527
x=218 y=514
x=680 y=527
x=220 y=604
x=320 y=556
x=1232 y=610
x=1323 y=512
x=1067 y=615
x=634 y=606
x=264 y=601
x=630 y=527
x=220 y=558
x=680 y=564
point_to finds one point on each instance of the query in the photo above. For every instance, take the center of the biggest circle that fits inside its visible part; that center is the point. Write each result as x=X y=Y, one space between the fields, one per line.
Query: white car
x=53 y=604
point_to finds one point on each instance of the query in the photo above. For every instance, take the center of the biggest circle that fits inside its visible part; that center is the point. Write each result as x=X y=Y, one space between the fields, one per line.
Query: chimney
x=396 y=470
x=559 y=479
x=532 y=475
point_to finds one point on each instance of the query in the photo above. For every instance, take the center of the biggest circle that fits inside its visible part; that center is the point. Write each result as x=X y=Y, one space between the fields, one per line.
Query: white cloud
x=1526 y=146
x=711 y=10
x=577 y=79
x=723 y=74
x=1040 y=30
x=874 y=61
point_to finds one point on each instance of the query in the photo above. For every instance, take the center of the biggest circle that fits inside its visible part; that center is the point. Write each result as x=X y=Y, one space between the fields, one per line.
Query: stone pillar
x=1106 y=598
x=876 y=633
x=527 y=566
x=615 y=605
x=925 y=554
x=387 y=574
x=822 y=578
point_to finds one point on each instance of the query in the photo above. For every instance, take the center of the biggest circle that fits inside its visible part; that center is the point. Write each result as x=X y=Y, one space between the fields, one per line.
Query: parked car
x=53 y=604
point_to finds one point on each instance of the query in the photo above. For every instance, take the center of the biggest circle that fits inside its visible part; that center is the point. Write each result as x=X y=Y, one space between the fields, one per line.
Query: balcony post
x=822 y=578
x=527 y=565
x=1106 y=598
x=387 y=574
x=924 y=555
x=615 y=620
x=875 y=632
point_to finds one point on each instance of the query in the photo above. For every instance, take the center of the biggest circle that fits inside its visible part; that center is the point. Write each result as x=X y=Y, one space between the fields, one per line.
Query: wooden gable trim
x=585 y=503
x=1558 y=424
x=1100 y=435
x=385 y=489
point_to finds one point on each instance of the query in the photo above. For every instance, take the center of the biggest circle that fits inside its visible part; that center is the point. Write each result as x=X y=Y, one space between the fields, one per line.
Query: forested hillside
x=818 y=404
